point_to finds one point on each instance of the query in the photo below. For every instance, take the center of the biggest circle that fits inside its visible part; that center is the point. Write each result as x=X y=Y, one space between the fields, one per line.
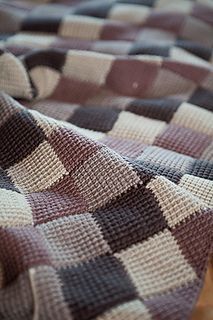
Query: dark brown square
x=203 y=98
x=19 y=137
x=130 y=218
x=94 y=118
x=92 y=287
x=160 y=109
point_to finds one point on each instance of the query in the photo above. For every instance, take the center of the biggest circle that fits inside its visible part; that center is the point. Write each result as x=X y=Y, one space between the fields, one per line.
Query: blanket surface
x=106 y=157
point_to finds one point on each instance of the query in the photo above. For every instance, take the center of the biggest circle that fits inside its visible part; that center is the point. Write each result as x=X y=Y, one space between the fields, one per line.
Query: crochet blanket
x=106 y=157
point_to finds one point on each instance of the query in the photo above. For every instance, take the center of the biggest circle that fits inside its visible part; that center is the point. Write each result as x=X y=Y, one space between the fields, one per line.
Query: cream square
x=14 y=79
x=184 y=6
x=87 y=66
x=32 y=39
x=195 y=118
x=14 y=209
x=81 y=27
x=176 y=204
x=133 y=310
x=157 y=265
x=135 y=14
x=199 y=187
x=138 y=128
x=39 y=170
x=182 y=55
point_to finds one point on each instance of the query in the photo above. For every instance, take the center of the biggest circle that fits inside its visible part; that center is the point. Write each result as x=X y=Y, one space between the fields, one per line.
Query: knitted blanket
x=106 y=157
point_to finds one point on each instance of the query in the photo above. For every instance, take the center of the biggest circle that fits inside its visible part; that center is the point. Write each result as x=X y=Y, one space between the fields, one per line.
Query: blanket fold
x=106 y=154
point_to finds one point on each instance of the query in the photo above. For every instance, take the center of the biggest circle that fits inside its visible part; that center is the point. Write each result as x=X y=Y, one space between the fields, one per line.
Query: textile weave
x=106 y=155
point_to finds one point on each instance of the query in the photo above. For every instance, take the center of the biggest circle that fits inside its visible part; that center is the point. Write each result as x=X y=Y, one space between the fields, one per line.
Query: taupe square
x=104 y=176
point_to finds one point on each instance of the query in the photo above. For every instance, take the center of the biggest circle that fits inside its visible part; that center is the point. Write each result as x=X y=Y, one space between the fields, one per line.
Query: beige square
x=135 y=14
x=87 y=66
x=184 y=6
x=81 y=27
x=45 y=80
x=14 y=79
x=31 y=39
x=133 y=310
x=157 y=265
x=14 y=209
x=38 y=171
x=176 y=203
x=79 y=239
x=199 y=187
x=138 y=128
x=103 y=177
x=169 y=83
x=182 y=55
x=195 y=118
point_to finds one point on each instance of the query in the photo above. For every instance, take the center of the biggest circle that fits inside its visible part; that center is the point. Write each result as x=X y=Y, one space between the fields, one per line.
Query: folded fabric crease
x=106 y=154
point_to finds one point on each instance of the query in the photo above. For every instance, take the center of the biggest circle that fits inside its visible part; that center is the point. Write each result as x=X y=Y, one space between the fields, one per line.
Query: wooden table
x=204 y=307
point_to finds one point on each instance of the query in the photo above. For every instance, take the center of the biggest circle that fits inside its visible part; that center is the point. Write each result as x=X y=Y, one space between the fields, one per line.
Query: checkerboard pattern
x=95 y=25
x=106 y=158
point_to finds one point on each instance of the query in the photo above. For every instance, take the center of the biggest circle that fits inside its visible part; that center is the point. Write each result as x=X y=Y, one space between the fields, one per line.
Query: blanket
x=106 y=154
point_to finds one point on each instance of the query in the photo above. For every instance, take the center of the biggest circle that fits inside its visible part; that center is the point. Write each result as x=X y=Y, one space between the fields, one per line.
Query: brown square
x=183 y=140
x=131 y=77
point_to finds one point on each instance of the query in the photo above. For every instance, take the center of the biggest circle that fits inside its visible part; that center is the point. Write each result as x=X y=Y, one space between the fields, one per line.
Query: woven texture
x=106 y=158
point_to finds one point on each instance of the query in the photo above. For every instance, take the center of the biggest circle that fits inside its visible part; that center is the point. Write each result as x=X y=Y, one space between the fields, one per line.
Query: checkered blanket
x=106 y=157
